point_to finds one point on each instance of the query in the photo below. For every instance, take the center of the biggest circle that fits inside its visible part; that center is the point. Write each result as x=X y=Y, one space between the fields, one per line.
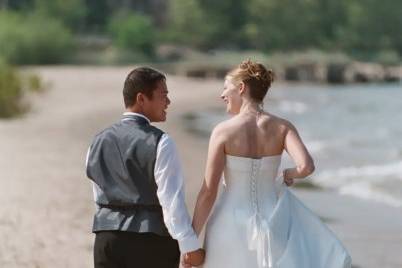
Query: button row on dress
x=254 y=170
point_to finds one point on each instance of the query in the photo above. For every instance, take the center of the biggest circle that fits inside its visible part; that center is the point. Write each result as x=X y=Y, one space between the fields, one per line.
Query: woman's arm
x=295 y=147
x=215 y=165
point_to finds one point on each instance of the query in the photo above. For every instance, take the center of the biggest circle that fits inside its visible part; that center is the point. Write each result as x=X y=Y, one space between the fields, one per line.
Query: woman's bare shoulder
x=278 y=122
x=226 y=127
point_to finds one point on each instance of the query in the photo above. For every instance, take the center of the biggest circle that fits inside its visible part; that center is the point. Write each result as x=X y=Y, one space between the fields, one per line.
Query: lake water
x=354 y=133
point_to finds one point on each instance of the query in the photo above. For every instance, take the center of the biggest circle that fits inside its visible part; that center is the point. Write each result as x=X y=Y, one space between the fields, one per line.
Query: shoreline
x=332 y=72
x=47 y=216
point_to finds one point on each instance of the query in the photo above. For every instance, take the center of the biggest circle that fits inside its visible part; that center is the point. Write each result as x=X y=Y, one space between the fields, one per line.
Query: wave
x=316 y=146
x=366 y=182
x=336 y=178
x=365 y=190
x=292 y=107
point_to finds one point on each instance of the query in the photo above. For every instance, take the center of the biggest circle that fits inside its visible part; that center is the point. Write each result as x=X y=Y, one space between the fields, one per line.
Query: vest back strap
x=131 y=207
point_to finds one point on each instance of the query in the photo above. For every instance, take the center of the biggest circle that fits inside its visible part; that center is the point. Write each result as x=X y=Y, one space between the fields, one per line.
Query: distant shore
x=303 y=71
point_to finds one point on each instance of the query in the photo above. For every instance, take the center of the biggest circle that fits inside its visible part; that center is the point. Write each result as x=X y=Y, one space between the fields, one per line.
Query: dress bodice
x=250 y=183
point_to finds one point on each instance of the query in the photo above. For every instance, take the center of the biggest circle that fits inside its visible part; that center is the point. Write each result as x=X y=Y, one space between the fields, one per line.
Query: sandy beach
x=47 y=207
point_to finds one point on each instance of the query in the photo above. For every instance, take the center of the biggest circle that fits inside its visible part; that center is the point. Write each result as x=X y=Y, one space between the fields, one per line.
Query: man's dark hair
x=140 y=80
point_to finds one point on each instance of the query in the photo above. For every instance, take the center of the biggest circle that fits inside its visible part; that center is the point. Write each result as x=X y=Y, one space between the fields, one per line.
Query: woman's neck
x=251 y=107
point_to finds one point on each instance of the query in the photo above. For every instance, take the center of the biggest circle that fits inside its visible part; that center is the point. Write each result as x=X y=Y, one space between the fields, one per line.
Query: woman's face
x=231 y=96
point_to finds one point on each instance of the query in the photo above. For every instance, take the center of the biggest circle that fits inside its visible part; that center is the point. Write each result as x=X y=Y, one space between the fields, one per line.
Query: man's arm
x=169 y=179
x=95 y=187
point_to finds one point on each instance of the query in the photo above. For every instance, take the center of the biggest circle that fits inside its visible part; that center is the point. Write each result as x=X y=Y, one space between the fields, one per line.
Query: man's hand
x=194 y=258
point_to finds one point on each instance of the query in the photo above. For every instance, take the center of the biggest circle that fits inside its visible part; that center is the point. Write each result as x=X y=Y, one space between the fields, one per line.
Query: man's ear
x=140 y=99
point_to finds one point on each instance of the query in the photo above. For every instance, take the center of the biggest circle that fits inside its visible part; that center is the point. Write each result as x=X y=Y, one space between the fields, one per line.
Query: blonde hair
x=255 y=76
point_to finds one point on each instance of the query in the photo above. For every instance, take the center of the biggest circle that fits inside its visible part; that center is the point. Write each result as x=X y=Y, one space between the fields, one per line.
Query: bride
x=257 y=221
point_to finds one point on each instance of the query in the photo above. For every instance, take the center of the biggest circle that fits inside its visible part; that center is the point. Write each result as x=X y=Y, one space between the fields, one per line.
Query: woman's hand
x=194 y=258
x=286 y=179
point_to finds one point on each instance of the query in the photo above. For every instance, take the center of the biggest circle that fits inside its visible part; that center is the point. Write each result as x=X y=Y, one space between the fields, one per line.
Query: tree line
x=48 y=31
x=126 y=31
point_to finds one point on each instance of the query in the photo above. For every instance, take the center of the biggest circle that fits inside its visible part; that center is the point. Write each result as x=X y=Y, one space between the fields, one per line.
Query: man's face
x=155 y=108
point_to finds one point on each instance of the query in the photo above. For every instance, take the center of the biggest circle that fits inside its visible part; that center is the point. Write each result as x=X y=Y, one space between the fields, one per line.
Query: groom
x=141 y=219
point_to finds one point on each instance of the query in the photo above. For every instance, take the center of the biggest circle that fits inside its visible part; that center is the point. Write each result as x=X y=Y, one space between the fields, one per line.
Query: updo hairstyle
x=255 y=76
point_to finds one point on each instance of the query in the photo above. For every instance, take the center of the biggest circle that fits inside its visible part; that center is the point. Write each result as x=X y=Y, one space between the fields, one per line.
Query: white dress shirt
x=169 y=179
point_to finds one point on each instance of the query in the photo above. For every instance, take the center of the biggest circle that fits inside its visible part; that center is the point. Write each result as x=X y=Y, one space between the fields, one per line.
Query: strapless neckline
x=253 y=158
x=270 y=162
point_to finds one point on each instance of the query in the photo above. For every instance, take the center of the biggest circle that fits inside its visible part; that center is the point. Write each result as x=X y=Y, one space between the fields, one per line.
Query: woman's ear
x=242 y=88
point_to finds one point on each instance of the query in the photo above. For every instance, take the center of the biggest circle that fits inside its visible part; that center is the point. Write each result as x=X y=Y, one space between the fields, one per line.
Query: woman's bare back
x=254 y=136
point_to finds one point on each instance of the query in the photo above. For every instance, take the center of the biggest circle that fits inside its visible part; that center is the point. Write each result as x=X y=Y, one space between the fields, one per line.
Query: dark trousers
x=115 y=249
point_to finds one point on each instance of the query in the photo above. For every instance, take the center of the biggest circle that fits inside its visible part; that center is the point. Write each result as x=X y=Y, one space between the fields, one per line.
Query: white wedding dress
x=257 y=222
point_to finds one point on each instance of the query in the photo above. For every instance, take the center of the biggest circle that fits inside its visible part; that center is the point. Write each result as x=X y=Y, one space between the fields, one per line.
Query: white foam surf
x=363 y=182
x=368 y=191
x=341 y=176
x=292 y=107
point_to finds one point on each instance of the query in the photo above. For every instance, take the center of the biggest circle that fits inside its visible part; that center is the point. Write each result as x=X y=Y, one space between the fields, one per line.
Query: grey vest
x=121 y=163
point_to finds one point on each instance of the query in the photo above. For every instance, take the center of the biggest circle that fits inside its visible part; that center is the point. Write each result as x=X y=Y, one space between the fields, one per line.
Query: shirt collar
x=137 y=114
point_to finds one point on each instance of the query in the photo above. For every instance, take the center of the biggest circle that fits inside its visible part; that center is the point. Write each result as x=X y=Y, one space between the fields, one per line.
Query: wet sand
x=47 y=207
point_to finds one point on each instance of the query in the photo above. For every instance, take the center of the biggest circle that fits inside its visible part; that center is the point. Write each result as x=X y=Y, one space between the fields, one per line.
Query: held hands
x=193 y=258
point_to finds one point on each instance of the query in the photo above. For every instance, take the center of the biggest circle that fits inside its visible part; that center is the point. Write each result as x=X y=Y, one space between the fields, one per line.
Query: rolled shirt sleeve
x=169 y=179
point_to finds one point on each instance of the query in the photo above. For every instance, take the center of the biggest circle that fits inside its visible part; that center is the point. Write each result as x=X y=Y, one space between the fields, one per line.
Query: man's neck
x=139 y=113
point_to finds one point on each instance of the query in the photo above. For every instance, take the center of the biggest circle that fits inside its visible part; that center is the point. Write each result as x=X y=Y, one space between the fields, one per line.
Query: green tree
x=332 y=18
x=10 y=91
x=98 y=14
x=188 y=24
x=374 y=25
x=133 y=33
x=72 y=12
x=16 y=4
x=33 y=40
x=227 y=22
x=13 y=87
x=284 y=24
